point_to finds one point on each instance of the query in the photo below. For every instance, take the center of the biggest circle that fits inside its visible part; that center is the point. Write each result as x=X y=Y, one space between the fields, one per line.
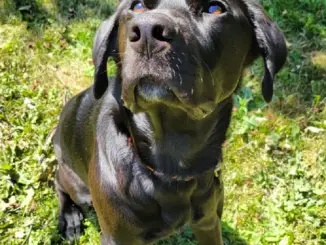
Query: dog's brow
x=196 y=4
x=151 y=3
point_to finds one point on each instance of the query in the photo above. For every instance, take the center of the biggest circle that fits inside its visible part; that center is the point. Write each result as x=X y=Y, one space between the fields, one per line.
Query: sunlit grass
x=275 y=155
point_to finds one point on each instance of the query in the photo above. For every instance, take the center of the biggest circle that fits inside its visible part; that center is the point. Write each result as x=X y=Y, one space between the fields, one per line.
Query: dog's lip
x=150 y=91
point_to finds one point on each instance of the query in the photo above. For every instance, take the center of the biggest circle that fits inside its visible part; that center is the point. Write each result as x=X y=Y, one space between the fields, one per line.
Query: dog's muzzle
x=150 y=38
x=161 y=66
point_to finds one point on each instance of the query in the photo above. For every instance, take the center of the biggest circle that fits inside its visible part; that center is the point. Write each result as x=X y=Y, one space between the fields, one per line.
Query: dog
x=144 y=147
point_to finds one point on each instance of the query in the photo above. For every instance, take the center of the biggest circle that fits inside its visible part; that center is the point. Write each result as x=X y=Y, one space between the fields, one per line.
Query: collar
x=177 y=178
x=217 y=169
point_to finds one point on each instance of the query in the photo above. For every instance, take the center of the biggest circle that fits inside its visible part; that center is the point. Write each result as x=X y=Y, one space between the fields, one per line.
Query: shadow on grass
x=186 y=237
x=28 y=10
x=79 y=8
x=301 y=87
x=231 y=236
x=41 y=13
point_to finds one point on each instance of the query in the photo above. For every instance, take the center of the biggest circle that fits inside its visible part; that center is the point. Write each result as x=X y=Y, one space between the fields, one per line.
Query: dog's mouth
x=148 y=92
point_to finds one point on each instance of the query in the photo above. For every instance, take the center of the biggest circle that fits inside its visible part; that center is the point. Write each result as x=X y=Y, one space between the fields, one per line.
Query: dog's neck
x=171 y=143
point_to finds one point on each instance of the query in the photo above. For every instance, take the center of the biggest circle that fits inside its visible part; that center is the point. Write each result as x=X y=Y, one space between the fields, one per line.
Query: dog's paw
x=70 y=223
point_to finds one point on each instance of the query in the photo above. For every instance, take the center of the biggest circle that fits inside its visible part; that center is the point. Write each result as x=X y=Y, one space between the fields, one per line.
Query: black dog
x=144 y=148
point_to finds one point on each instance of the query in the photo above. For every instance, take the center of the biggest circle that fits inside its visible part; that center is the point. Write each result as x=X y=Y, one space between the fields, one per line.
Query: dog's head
x=185 y=54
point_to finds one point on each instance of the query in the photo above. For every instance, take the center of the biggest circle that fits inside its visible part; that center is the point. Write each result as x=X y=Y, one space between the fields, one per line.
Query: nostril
x=134 y=34
x=162 y=33
x=158 y=32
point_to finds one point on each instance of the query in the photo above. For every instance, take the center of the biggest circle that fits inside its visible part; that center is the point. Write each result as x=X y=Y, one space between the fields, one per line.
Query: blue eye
x=215 y=8
x=139 y=8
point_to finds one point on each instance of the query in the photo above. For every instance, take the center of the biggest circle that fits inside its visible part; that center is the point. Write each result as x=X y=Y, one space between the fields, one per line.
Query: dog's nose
x=149 y=34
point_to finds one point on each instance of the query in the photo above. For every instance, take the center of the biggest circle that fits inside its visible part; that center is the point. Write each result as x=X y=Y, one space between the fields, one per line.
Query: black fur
x=143 y=146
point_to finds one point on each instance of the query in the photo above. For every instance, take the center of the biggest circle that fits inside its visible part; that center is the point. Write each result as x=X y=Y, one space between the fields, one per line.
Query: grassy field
x=275 y=155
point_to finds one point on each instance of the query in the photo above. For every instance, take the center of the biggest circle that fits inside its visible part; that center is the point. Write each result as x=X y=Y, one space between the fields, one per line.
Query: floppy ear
x=105 y=46
x=269 y=43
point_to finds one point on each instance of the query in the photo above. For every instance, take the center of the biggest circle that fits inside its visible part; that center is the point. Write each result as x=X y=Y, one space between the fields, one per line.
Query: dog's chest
x=167 y=208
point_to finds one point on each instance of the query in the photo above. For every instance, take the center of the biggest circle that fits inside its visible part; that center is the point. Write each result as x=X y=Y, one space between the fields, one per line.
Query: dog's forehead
x=172 y=4
x=176 y=3
x=186 y=2
x=232 y=5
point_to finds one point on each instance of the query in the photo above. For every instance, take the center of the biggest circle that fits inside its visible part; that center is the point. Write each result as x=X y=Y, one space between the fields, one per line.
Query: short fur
x=142 y=147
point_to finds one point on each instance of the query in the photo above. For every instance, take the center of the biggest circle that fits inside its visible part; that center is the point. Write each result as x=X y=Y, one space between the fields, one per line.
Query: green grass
x=275 y=155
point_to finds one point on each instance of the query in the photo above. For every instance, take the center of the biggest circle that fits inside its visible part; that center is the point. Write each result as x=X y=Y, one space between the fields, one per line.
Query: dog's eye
x=216 y=8
x=138 y=7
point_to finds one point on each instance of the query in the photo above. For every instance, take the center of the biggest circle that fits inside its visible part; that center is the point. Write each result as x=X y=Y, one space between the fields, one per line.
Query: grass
x=275 y=155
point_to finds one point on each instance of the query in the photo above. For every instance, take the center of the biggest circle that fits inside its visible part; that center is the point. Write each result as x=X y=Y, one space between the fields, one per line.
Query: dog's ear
x=104 y=46
x=268 y=42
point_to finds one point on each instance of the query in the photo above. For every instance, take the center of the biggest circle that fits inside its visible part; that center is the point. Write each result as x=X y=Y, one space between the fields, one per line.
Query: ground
x=275 y=155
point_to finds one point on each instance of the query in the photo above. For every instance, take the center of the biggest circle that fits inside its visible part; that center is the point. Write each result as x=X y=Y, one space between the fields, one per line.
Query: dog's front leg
x=212 y=236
